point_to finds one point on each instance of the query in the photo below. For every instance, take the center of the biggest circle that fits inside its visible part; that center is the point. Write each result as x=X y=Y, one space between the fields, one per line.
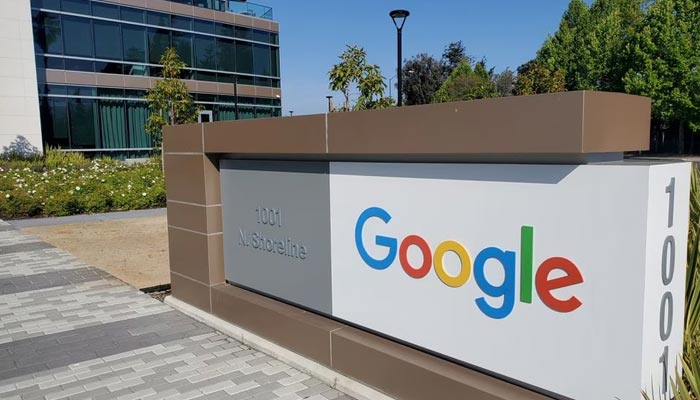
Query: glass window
x=206 y=76
x=275 y=61
x=203 y=26
x=137 y=114
x=227 y=99
x=49 y=4
x=158 y=42
x=105 y=10
x=262 y=59
x=110 y=92
x=156 y=18
x=226 y=55
x=225 y=78
x=224 y=30
x=186 y=74
x=224 y=112
x=246 y=112
x=136 y=93
x=105 y=44
x=134 y=43
x=263 y=112
x=246 y=80
x=246 y=100
x=112 y=116
x=205 y=52
x=79 y=65
x=183 y=44
x=108 y=67
x=274 y=38
x=155 y=71
x=133 y=14
x=56 y=89
x=209 y=98
x=244 y=33
x=277 y=112
x=244 y=57
x=276 y=83
x=135 y=70
x=83 y=124
x=54 y=122
x=183 y=23
x=267 y=82
x=77 y=36
x=81 y=91
x=261 y=36
x=48 y=37
x=76 y=6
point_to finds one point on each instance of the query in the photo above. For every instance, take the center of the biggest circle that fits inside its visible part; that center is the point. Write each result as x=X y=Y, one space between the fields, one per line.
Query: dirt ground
x=133 y=250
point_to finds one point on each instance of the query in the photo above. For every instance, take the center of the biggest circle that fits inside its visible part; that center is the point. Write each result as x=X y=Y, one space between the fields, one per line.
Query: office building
x=74 y=73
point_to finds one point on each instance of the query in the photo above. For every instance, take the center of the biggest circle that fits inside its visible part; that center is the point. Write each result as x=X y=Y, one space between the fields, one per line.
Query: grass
x=62 y=183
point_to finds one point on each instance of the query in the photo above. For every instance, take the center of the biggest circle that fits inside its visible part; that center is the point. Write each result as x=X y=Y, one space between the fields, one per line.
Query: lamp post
x=330 y=103
x=399 y=18
x=291 y=113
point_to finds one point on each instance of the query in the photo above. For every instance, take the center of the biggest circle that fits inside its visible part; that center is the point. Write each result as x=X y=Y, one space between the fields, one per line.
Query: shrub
x=68 y=183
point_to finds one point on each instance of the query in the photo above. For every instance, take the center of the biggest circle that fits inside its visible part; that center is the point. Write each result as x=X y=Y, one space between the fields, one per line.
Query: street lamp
x=399 y=18
x=291 y=113
x=330 y=103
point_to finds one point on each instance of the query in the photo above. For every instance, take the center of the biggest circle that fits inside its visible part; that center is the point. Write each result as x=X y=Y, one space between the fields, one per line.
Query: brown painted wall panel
x=202 y=219
x=304 y=134
x=137 y=82
x=110 y=80
x=183 y=138
x=160 y=5
x=55 y=76
x=184 y=178
x=505 y=125
x=212 y=180
x=191 y=292
x=181 y=9
x=189 y=254
x=409 y=374
x=609 y=125
x=300 y=331
x=244 y=20
x=201 y=12
x=81 y=78
x=135 y=3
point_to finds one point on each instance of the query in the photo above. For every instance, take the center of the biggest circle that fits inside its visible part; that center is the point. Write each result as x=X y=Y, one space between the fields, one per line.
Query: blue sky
x=314 y=32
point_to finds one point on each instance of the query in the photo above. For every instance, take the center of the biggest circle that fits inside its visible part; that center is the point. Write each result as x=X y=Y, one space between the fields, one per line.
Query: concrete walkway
x=68 y=330
x=81 y=218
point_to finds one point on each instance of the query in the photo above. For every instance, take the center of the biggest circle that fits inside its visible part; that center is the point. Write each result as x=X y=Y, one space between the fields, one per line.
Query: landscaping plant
x=64 y=183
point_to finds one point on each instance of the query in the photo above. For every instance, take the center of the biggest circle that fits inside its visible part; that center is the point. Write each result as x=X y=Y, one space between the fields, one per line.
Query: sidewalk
x=68 y=330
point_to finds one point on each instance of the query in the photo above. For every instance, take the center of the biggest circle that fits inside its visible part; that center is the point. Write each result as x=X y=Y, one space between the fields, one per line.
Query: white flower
x=77 y=188
x=7 y=196
x=143 y=194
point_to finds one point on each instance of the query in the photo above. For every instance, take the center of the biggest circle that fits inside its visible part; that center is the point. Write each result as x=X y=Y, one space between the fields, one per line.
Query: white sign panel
x=566 y=278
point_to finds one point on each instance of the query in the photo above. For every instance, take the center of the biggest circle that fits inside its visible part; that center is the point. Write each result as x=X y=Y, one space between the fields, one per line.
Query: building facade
x=94 y=60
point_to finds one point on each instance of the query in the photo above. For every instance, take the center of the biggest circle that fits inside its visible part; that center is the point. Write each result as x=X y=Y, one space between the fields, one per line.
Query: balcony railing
x=233 y=6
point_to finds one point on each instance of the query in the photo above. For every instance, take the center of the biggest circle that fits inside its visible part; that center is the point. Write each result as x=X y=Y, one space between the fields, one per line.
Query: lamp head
x=399 y=17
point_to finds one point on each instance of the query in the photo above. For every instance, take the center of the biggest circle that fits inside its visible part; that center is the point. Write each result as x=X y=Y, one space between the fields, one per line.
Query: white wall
x=19 y=102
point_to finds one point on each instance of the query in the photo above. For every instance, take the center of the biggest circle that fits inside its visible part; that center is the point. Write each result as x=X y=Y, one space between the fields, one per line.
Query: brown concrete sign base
x=566 y=128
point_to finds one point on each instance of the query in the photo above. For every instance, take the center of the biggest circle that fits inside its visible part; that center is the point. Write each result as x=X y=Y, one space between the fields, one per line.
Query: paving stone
x=70 y=331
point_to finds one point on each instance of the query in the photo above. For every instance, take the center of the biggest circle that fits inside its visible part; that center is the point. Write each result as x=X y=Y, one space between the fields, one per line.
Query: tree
x=666 y=63
x=169 y=101
x=534 y=78
x=467 y=83
x=589 y=46
x=504 y=82
x=422 y=77
x=353 y=69
x=453 y=55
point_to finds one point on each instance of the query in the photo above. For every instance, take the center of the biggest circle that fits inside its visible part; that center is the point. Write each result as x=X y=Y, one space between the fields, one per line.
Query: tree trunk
x=681 y=137
x=172 y=114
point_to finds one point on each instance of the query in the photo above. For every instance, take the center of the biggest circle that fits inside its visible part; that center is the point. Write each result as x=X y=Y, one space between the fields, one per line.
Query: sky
x=313 y=33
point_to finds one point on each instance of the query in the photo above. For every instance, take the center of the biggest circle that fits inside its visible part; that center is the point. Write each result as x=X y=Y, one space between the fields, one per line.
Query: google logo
x=506 y=290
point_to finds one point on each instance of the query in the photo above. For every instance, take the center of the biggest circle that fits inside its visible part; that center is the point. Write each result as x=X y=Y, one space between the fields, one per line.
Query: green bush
x=68 y=183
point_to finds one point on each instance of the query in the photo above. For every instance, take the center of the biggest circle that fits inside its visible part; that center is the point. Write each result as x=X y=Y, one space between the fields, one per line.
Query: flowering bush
x=77 y=186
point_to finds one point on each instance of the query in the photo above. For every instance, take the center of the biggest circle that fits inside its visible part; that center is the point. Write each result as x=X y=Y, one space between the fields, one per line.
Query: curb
x=333 y=378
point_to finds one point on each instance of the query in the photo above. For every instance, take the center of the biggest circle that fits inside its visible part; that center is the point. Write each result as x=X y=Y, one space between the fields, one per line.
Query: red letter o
x=415 y=240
